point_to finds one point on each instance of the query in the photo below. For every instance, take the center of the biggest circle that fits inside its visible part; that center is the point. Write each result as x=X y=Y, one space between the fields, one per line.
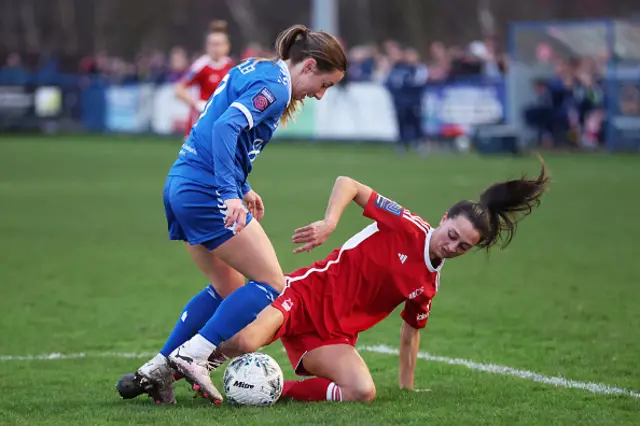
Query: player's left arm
x=255 y=105
x=409 y=344
x=415 y=316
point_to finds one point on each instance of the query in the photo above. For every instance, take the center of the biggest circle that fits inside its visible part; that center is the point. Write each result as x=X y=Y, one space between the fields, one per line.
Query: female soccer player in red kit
x=397 y=259
x=206 y=72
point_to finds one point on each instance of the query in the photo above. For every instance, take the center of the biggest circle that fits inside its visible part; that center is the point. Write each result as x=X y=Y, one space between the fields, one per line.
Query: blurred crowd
x=443 y=63
x=156 y=67
x=568 y=109
x=366 y=63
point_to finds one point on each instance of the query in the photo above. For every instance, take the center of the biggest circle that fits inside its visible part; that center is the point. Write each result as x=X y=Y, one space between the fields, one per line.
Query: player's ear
x=446 y=215
x=310 y=65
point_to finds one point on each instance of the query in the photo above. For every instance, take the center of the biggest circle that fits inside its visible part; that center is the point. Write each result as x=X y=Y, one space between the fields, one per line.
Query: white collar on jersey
x=427 y=259
x=285 y=69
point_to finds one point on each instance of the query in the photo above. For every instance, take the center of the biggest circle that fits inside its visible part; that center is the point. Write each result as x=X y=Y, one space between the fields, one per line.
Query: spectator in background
x=157 y=68
x=589 y=98
x=485 y=54
x=362 y=64
x=564 y=104
x=463 y=63
x=439 y=63
x=178 y=64
x=539 y=115
x=406 y=80
x=14 y=72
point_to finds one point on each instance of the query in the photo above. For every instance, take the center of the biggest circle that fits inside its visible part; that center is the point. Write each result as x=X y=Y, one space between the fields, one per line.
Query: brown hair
x=218 y=26
x=501 y=207
x=298 y=42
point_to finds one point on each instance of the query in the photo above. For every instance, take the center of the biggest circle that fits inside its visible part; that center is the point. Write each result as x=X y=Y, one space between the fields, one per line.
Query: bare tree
x=30 y=25
x=67 y=19
x=485 y=17
x=8 y=19
x=364 y=19
x=244 y=15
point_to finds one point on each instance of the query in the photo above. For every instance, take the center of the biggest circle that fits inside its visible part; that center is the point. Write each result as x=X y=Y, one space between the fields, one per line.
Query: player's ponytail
x=501 y=207
x=287 y=38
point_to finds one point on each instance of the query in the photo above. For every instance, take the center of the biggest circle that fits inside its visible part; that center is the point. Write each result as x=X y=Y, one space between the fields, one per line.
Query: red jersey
x=362 y=282
x=207 y=74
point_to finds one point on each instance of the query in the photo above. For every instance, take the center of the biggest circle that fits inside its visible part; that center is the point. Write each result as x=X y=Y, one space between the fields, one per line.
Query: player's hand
x=311 y=236
x=236 y=214
x=200 y=104
x=254 y=203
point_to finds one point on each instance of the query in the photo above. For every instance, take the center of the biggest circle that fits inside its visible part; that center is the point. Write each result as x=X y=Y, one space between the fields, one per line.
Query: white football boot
x=156 y=377
x=197 y=371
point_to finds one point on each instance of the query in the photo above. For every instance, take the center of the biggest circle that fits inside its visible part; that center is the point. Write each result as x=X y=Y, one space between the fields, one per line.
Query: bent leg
x=251 y=253
x=259 y=333
x=224 y=280
x=222 y=277
x=341 y=375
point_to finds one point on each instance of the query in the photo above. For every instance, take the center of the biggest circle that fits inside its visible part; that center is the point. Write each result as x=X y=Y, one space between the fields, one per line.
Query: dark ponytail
x=287 y=38
x=501 y=207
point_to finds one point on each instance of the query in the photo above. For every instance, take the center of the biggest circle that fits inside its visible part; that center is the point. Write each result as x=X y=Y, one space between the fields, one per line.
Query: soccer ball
x=253 y=379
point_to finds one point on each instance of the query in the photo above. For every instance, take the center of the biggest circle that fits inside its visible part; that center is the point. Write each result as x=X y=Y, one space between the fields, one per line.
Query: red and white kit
x=361 y=283
x=206 y=74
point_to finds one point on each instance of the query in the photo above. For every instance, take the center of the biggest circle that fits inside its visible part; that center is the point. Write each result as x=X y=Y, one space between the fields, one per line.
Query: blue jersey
x=237 y=122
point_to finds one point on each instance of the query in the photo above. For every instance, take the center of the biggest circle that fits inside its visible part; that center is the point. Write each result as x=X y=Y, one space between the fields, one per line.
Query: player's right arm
x=387 y=213
x=189 y=79
x=344 y=191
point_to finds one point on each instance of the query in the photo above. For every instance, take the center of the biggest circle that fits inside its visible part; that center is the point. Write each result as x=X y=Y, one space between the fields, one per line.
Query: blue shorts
x=195 y=213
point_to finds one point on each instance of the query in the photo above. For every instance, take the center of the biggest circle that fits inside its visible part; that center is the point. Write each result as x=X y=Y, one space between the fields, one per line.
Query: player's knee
x=361 y=392
x=275 y=279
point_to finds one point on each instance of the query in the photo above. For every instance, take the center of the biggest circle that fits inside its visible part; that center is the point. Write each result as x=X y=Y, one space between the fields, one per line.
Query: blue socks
x=193 y=317
x=237 y=311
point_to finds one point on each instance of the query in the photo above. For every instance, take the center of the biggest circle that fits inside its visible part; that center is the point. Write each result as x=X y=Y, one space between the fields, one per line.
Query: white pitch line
x=597 y=388
x=508 y=371
x=56 y=356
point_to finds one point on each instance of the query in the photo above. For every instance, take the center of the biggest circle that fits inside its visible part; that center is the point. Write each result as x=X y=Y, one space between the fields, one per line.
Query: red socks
x=316 y=389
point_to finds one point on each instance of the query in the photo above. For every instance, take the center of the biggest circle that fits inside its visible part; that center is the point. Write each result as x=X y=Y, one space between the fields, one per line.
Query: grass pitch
x=86 y=267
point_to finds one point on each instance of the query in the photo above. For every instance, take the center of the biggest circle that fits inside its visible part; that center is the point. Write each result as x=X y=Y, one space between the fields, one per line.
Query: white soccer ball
x=253 y=379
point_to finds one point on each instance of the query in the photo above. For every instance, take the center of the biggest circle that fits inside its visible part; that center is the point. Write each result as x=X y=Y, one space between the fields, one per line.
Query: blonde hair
x=297 y=43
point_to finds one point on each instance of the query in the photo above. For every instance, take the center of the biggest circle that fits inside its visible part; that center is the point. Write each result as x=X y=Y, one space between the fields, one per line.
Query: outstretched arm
x=409 y=343
x=344 y=191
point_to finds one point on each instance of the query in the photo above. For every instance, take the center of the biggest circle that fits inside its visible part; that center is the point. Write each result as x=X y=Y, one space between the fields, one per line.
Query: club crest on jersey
x=388 y=205
x=263 y=99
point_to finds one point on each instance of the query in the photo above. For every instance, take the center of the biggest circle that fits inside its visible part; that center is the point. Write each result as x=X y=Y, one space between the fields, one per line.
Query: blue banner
x=623 y=112
x=457 y=108
x=129 y=108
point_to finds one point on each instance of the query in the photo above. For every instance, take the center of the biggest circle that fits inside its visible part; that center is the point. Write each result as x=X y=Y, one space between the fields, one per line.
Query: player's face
x=312 y=83
x=217 y=46
x=453 y=238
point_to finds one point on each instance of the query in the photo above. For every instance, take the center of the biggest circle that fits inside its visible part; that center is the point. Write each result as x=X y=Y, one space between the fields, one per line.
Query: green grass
x=85 y=266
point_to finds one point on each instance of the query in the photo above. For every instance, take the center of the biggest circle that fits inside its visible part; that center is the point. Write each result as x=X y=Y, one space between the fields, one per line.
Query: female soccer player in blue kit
x=204 y=194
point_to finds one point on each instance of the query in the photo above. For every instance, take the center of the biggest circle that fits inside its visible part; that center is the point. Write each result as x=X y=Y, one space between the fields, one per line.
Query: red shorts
x=298 y=333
